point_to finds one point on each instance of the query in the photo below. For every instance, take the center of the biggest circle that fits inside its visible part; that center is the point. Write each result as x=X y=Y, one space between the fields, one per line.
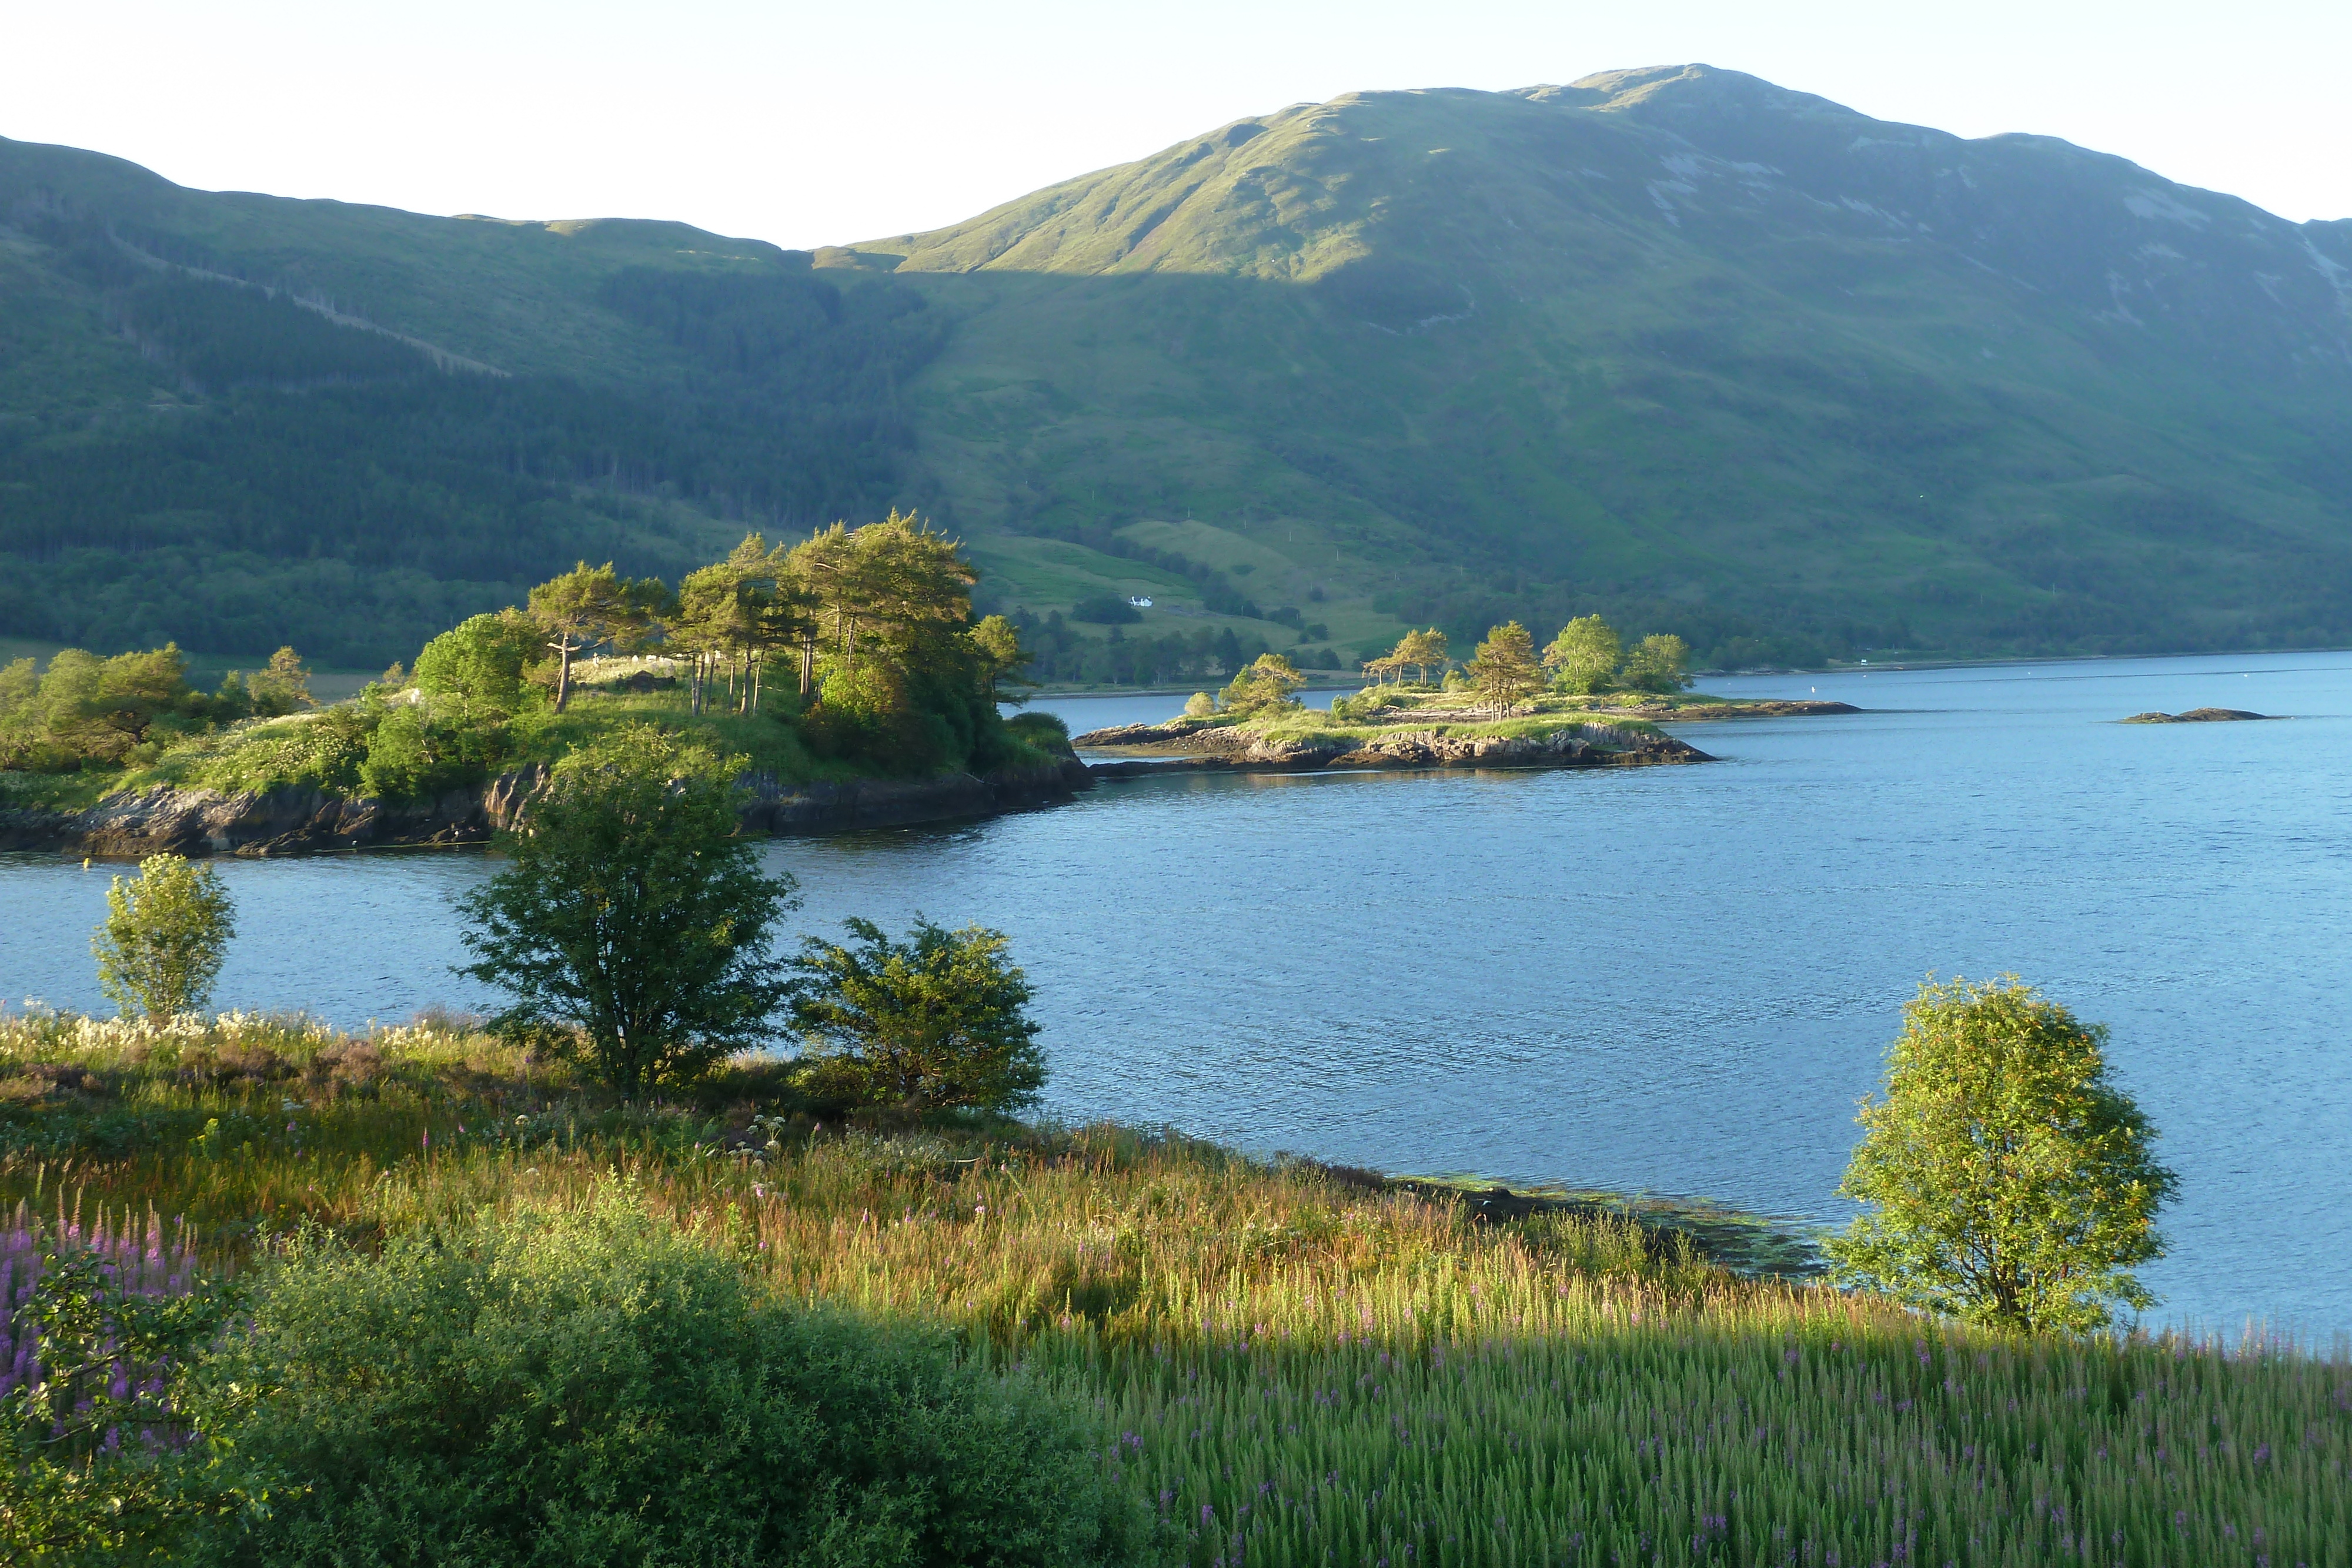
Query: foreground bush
x=938 y=1021
x=594 y=1386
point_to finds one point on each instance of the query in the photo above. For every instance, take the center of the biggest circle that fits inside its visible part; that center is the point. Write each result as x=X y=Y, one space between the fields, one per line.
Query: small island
x=846 y=675
x=1585 y=702
x=2199 y=715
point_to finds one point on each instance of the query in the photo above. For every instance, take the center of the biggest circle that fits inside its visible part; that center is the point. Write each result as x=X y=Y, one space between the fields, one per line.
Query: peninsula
x=1587 y=702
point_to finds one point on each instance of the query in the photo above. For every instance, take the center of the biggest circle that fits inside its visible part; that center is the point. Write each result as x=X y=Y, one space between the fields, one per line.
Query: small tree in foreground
x=630 y=917
x=165 y=935
x=937 y=1021
x=2009 y=1183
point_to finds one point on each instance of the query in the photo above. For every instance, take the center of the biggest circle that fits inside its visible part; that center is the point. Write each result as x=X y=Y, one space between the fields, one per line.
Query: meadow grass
x=1293 y=1364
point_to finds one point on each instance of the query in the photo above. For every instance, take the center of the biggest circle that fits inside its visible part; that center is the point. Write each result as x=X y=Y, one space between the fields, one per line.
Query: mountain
x=1679 y=344
x=238 y=420
x=1677 y=333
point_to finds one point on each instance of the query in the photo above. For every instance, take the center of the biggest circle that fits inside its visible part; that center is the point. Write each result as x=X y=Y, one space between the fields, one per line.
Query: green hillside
x=1676 y=337
x=1710 y=356
x=236 y=419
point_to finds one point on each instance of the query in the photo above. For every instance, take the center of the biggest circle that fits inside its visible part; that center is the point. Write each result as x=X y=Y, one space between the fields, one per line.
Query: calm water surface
x=1679 y=979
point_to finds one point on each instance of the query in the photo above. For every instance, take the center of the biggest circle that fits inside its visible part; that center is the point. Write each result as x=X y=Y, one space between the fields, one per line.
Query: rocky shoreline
x=1225 y=749
x=304 y=820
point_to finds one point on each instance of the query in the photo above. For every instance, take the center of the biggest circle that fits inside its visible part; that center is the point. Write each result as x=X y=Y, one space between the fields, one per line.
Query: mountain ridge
x=1673 y=342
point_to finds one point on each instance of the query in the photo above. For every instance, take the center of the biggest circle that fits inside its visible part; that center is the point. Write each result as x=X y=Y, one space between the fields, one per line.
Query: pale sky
x=820 y=124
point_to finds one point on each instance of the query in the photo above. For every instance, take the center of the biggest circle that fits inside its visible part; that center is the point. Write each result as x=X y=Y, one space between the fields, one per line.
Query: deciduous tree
x=631 y=917
x=1584 y=655
x=2007 y=1181
x=996 y=642
x=165 y=935
x=1656 y=663
x=479 y=662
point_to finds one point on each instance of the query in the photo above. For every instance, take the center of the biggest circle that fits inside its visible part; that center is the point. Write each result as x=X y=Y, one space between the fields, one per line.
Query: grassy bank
x=1297 y=1365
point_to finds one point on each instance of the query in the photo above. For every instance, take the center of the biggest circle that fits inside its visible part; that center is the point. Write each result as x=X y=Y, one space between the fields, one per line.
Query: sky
x=809 y=125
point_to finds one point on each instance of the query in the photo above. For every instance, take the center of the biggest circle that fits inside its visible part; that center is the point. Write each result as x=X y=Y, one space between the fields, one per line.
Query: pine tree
x=587 y=607
x=1502 y=670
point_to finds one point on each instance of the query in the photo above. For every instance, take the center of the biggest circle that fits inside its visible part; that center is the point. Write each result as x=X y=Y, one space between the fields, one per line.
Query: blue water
x=1677 y=978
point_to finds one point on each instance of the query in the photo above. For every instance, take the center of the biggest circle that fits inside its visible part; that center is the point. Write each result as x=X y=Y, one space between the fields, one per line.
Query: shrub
x=326 y=749
x=164 y=938
x=1045 y=731
x=936 y=1022
x=594 y=1388
x=416 y=752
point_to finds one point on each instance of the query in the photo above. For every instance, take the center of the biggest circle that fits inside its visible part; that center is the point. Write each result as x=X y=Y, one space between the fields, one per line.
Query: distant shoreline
x=1325 y=680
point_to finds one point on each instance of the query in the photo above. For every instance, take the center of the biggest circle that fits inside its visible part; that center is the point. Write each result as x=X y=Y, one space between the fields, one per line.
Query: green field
x=1286 y=1362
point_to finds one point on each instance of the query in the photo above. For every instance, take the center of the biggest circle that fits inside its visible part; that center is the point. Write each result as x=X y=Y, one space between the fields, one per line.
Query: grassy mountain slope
x=236 y=419
x=1715 y=357
x=1671 y=335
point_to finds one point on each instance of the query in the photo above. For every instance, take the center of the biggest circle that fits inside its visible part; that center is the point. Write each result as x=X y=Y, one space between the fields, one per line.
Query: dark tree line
x=338 y=488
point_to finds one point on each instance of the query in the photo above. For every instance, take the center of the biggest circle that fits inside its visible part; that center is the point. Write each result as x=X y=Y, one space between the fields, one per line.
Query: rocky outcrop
x=798 y=809
x=294 y=819
x=1178 y=732
x=1567 y=745
x=302 y=819
x=2198 y=716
